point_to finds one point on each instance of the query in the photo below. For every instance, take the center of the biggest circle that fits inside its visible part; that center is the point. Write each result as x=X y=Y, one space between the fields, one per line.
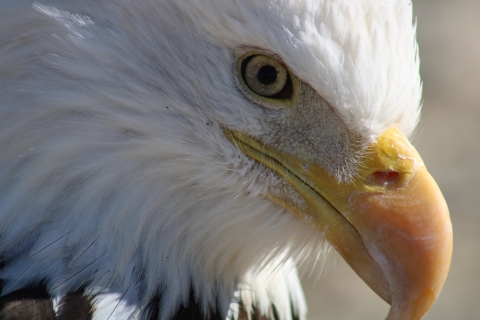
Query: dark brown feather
x=27 y=304
x=75 y=306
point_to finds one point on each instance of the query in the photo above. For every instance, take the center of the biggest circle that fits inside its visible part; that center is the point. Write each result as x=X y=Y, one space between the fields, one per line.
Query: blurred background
x=448 y=140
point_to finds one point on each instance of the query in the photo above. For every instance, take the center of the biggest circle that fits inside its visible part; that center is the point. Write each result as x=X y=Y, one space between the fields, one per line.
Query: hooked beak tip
x=409 y=234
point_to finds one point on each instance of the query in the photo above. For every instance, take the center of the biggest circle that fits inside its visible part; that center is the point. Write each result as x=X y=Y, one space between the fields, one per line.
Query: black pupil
x=267 y=74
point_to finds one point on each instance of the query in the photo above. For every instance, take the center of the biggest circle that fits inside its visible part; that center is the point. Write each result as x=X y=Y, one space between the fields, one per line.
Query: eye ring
x=266 y=77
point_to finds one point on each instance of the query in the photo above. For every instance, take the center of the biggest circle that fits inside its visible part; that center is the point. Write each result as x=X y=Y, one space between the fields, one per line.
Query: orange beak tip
x=409 y=234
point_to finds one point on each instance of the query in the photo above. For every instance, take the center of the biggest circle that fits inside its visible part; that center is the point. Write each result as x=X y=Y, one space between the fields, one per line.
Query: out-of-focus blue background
x=448 y=140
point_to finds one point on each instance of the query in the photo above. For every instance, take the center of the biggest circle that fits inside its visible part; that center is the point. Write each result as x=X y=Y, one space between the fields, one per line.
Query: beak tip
x=409 y=234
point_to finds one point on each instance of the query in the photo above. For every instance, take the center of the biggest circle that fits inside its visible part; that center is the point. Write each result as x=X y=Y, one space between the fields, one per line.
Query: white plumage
x=115 y=173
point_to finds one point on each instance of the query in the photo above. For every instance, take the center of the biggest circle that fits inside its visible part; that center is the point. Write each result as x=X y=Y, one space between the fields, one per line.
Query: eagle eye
x=266 y=77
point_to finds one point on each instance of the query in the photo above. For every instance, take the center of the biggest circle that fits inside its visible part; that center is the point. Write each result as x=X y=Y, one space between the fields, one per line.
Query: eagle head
x=159 y=155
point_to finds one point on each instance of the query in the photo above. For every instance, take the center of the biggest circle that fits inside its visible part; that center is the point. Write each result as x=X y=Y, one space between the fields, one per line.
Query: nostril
x=384 y=178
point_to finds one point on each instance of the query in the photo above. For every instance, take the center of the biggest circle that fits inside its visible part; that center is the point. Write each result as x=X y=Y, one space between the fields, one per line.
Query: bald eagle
x=165 y=159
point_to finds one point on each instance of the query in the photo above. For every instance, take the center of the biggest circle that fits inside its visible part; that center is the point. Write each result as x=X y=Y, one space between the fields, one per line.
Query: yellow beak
x=391 y=224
